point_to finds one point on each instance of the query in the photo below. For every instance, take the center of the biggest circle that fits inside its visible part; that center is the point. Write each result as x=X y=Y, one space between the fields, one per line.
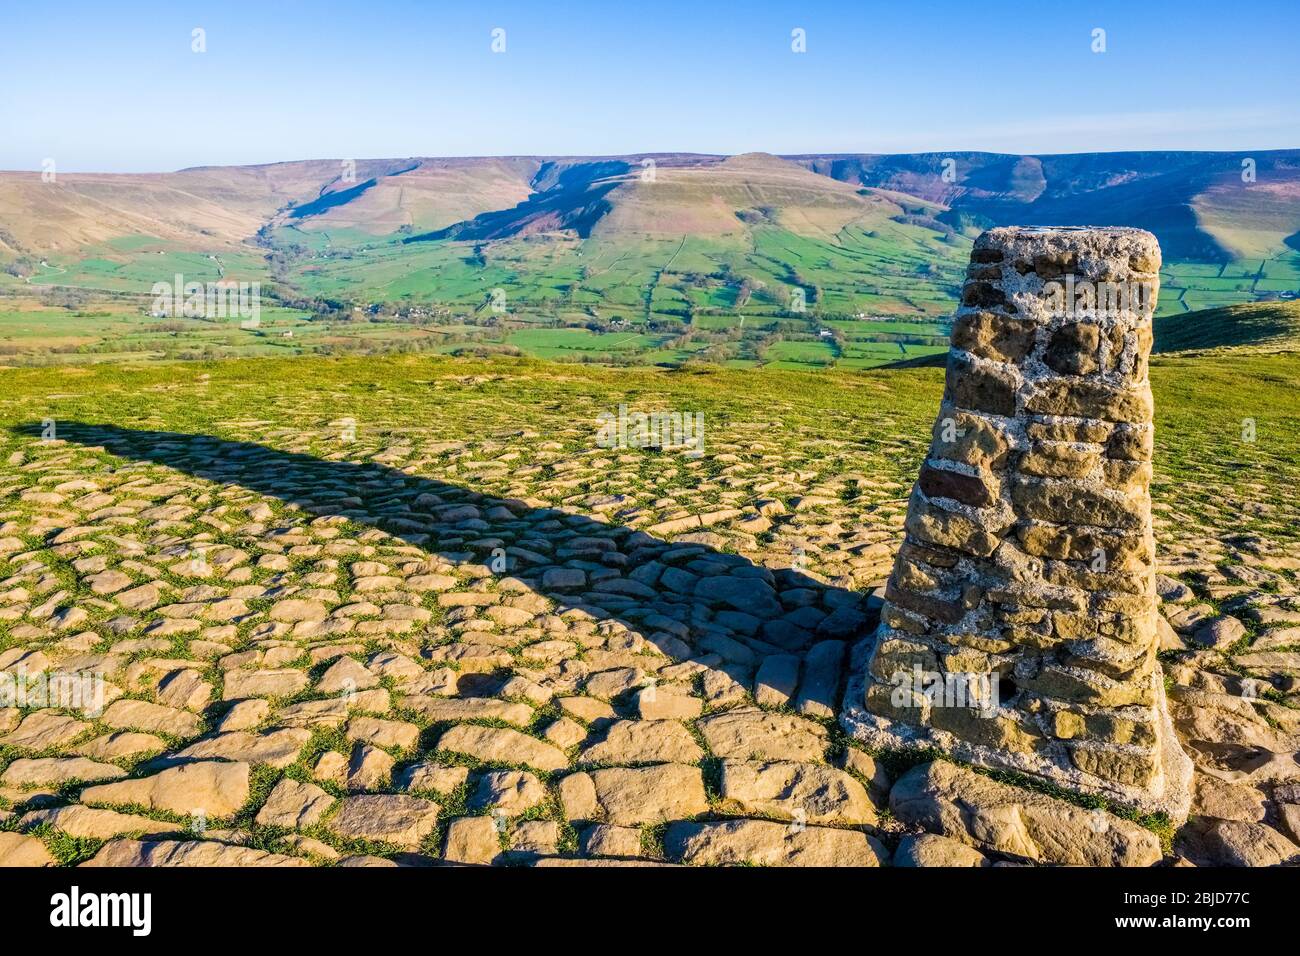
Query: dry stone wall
x=1019 y=624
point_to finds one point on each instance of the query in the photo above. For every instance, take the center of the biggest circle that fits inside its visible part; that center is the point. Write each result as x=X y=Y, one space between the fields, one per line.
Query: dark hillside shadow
x=689 y=600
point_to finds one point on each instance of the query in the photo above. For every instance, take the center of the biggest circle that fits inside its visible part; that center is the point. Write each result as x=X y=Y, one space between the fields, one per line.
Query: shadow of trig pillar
x=1019 y=624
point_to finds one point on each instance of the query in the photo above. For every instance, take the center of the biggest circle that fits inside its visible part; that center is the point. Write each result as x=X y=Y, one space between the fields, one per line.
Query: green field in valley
x=860 y=298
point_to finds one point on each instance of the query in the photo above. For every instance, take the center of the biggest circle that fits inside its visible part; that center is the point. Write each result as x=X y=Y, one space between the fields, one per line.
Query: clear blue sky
x=115 y=87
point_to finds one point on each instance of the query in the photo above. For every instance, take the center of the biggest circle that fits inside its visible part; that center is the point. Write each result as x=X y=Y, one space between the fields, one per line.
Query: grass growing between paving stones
x=848 y=442
x=67 y=850
x=1206 y=474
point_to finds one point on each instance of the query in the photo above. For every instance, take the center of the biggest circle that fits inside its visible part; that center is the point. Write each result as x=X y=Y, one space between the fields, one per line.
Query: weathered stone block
x=1064 y=502
x=971 y=439
x=1073 y=627
x=1127 y=476
x=948 y=529
x=1007 y=730
x=934 y=557
x=1089 y=399
x=1079 y=685
x=1148 y=261
x=1058 y=460
x=914 y=576
x=1000 y=338
x=1133 y=767
x=984 y=295
x=1083 y=577
x=1072 y=349
x=1112 y=728
x=1130 y=443
x=902 y=620
x=895 y=656
x=932 y=606
x=1066 y=724
x=977 y=490
x=1069 y=429
x=1055 y=599
x=1093 y=545
x=982 y=388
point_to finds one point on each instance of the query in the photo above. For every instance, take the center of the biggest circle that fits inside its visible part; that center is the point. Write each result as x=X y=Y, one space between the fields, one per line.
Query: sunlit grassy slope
x=1206 y=474
x=1260 y=326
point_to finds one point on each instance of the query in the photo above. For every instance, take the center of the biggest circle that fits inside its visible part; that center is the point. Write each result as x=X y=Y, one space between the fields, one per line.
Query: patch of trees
x=64 y=297
x=757 y=216
x=319 y=306
x=21 y=267
x=925 y=222
x=485 y=350
x=744 y=293
x=660 y=325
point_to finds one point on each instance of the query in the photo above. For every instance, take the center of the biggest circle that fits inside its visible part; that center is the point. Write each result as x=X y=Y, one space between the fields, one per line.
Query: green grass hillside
x=1260 y=326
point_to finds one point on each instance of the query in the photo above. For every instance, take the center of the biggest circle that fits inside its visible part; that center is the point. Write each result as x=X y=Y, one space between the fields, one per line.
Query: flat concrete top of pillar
x=1065 y=230
x=1051 y=250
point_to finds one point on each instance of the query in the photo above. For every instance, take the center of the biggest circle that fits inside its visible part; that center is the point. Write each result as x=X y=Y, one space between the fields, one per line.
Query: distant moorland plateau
x=797 y=261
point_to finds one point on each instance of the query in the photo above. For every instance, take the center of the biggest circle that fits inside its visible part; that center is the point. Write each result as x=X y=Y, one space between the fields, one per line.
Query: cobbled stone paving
x=401 y=640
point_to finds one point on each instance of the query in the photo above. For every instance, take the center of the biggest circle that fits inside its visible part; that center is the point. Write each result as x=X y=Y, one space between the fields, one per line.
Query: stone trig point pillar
x=1019 y=624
